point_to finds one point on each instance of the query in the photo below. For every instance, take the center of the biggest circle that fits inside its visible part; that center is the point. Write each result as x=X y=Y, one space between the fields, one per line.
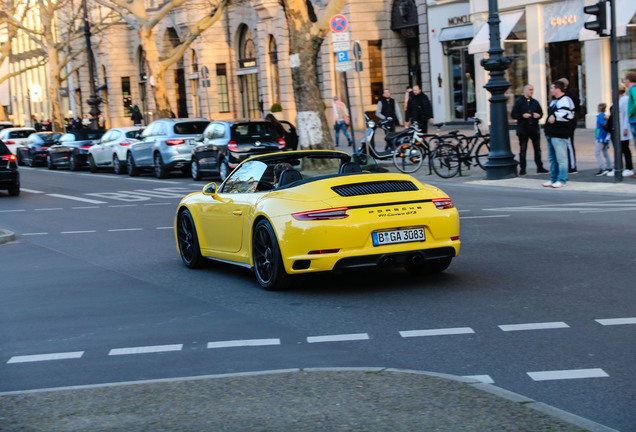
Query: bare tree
x=136 y=15
x=307 y=32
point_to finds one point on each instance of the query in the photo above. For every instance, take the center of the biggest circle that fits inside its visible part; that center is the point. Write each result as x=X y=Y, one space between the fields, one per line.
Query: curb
x=6 y=236
x=564 y=416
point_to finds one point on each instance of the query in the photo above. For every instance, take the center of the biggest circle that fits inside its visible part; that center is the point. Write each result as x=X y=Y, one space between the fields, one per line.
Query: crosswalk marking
x=533 y=326
x=437 y=332
x=145 y=349
x=46 y=357
x=338 y=338
x=243 y=343
x=568 y=374
x=616 y=321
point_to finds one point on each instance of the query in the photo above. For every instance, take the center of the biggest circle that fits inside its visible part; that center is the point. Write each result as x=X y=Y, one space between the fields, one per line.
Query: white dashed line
x=34 y=234
x=533 y=326
x=90 y=201
x=46 y=357
x=616 y=321
x=243 y=343
x=338 y=338
x=162 y=228
x=437 y=332
x=568 y=374
x=145 y=349
x=486 y=379
x=84 y=208
x=11 y=211
x=48 y=209
x=31 y=191
x=125 y=229
x=78 y=232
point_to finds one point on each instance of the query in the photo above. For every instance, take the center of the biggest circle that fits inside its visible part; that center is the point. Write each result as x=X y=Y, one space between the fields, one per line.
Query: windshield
x=248 y=132
x=20 y=134
x=49 y=137
x=83 y=136
x=190 y=128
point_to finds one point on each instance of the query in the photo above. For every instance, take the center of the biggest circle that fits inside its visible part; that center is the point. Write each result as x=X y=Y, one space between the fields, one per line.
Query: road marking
x=616 y=321
x=33 y=234
x=243 y=343
x=90 y=201
x=338 y=338
x=486 y=379
x=84 y=208
x=568 y=374
x=145 y=349
x=437 y=332
x=484 y=217
x=122 y=205
x=47 y=209
x=125 y=229
x=78 y=232
x=31 y=191
x=46 y=357
x=581 y=207
x=162 y=228
x=533 y=326
x=10 y=211
x=158 y=204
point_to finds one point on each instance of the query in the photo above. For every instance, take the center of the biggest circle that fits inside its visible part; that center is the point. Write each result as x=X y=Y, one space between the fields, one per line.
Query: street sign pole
x=340 y=40
x=616 y=135
x=357 y=53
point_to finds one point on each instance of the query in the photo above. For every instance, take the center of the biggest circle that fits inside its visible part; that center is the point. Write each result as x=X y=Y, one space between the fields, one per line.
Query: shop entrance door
x=462 y=87
x=565 y=60
x=248 y=86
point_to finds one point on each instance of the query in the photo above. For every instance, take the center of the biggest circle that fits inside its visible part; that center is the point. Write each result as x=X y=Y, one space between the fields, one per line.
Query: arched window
x=247 y=51
x=273 y=70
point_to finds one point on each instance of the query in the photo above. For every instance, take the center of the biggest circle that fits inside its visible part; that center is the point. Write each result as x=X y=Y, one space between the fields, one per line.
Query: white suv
x=112 y=149
x=12 y=137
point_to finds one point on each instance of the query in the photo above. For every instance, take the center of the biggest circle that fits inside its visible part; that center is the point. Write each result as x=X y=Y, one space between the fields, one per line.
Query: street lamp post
x=501 y=163
x=93 y=100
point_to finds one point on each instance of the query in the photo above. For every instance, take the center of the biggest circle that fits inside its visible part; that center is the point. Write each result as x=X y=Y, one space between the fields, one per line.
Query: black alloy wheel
x=73 y=165
x=188 y=241
x=224 y=170
x=268 y=263
x=118 y=167
x=160 y=169
x=49 y=163
x=133 y=171
x=194 y=169
x=31 y=161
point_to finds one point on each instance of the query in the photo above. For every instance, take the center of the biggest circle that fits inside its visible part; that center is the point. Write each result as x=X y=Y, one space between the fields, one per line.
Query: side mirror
x=210 y=190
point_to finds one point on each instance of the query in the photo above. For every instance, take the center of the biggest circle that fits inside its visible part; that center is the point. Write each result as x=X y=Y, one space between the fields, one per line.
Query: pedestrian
x=407 y=96
x=388 y=108
x=571 y=149
x=136 y=116
x=419 y=109
x=341 y=119
x=527 y=111
x=76 y=123
x=630 y=81
x=626 y=133
x=36 y=124
x=602 y=142
x=557 y=134
x=101 y=122
x=86 y=121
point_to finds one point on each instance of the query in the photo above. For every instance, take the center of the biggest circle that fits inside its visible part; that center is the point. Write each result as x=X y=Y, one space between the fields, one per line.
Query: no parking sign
x=338 y=23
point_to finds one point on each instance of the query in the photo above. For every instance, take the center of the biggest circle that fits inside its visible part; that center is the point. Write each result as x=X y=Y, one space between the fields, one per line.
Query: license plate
x=398 y=236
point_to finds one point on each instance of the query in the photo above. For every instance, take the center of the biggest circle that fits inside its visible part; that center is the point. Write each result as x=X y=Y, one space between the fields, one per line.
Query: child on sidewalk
x=602 y=142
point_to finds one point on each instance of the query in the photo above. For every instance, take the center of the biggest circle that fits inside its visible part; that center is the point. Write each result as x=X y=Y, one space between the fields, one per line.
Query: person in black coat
x=527 y=111
x=419 y=109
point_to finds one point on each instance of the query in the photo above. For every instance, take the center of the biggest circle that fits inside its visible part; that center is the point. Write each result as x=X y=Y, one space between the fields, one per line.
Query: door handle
x=237 y=212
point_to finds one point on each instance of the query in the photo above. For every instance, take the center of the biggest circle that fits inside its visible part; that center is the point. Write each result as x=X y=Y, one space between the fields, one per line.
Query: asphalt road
x=539 y=302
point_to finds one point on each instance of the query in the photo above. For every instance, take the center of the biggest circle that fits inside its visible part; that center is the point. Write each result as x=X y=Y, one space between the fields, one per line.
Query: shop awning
x=456 y=33
x=625 y=11
x=481 y=42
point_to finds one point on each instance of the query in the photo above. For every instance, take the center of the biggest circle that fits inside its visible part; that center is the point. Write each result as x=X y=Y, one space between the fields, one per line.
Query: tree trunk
x=55 y=82
x=157 y=72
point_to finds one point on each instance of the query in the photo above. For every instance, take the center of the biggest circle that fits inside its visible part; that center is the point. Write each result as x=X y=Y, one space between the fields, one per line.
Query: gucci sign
x=562 y=21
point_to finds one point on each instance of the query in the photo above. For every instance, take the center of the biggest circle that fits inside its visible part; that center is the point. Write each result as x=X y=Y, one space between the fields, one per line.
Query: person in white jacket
x=625 y=133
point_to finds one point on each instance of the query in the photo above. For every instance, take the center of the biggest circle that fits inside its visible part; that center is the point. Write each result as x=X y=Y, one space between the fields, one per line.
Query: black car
x=36 y=149
x=9 y=174
x=71 y=150
x=226 y=144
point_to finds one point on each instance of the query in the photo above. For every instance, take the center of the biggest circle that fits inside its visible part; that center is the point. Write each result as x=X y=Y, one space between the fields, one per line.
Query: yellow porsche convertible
x=288 y=213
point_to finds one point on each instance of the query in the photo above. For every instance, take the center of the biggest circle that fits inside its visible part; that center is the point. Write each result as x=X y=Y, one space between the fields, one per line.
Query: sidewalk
x=313 y=400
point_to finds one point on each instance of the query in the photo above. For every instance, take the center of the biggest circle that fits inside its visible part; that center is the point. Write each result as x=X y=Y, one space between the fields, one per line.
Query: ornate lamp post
x=501 y=163
x=93 y=100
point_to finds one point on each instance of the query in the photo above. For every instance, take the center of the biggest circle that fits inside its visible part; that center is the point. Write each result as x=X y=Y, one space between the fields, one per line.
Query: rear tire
x=445 y=161
x=133 y=171
x=73 y=165
x=92 y=166
x=49 y=163
x=118 y=167
x=194 y=170
x=14 y=190
x=268 y=263
x=224 y=170
x=160 y=169
x=187 y=240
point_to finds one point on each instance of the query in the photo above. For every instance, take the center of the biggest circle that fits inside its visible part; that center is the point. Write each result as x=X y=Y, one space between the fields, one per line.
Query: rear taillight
x=125 y=143
x=172 y=142
x=443 y=203
x=323 y=251
x=232 y=146
x=9 y=157
x=326 y=214
x=84 y=147
x=281 y=143
x=9 y=142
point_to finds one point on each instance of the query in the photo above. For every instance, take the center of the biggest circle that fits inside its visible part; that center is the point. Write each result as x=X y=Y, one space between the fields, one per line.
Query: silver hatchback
x=165 y=145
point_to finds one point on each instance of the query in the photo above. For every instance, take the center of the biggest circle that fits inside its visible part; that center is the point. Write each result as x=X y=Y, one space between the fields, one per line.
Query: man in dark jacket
x=388 y=108
x=557 y=133
x=527 y=111
x=419 y=109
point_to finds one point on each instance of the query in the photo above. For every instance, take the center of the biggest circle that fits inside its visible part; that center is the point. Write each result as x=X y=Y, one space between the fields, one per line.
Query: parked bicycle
x=449 y=157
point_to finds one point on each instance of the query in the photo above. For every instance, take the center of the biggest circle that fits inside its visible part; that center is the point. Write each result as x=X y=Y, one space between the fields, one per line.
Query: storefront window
x=376 y=76
x=516 y=48
x=461 y=65
x=627 y=51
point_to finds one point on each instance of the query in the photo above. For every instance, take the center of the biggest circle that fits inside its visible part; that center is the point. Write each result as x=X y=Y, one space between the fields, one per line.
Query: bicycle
x=447 y=159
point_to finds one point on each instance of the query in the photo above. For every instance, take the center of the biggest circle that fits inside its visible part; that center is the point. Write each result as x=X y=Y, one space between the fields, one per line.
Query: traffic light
x=599 y=10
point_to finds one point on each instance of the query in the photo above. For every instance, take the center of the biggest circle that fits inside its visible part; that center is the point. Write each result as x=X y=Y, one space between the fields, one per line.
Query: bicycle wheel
x=481 y=154
x=445 y=161
x=408 y=157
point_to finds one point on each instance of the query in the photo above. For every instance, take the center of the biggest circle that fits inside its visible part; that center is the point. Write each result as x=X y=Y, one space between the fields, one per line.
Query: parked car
x=165 y=145
x=5 y=124
x=226 y=144
x=71 y=150
x=14 y=136
x=9 y=174
x=112 y=149
x=35 y=150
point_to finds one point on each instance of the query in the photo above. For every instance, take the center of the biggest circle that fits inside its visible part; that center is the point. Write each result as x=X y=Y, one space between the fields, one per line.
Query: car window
x=67 y=137
x=250 y=131
x=190 y=128
x=115 y=135
x=148 y=131
x=20 y=133
x=107 y=136
x=219 y=131
x=246 y=178
x=136 y=134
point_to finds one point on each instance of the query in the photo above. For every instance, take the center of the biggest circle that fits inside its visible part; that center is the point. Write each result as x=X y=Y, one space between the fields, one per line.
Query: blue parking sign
x=342 y=56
